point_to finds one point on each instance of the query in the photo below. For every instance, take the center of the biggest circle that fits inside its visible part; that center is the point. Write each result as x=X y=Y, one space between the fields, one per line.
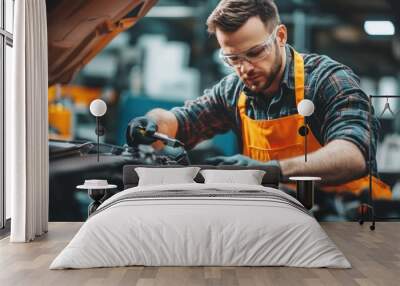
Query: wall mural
x=164 y=92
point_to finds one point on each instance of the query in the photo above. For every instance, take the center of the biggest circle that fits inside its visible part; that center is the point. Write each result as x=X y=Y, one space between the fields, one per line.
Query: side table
x=305 y=190
x=98 y=191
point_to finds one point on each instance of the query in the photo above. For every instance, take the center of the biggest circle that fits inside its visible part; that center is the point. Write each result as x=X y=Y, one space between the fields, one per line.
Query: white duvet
x=183 y=231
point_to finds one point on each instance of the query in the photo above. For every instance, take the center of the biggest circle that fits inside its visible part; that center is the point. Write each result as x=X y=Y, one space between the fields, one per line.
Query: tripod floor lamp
x=364 y=207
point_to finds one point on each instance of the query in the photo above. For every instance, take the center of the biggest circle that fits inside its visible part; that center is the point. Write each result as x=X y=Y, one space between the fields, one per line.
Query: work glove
x=241 y=160
x=140 y=131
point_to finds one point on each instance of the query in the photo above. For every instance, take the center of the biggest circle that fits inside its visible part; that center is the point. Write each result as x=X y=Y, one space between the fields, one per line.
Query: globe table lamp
x=305 y=108
x=98 y=108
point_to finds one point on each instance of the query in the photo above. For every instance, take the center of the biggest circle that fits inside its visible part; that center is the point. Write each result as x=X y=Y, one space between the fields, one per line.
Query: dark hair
x=230 y=15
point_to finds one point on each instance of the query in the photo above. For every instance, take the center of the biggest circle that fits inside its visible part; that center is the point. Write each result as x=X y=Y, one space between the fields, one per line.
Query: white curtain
x=27 y=164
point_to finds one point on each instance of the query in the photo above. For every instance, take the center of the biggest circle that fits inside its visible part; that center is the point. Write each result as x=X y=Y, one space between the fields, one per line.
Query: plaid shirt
x=341 y=107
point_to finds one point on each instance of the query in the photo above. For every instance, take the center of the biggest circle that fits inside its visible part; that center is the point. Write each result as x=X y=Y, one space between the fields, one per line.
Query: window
x=9 y=15
x=6 y=43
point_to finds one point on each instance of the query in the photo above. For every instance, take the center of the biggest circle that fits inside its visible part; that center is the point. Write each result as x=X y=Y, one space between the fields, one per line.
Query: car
x=77 y=32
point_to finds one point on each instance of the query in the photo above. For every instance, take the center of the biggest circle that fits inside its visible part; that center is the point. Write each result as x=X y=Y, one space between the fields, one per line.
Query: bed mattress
x=201 y=225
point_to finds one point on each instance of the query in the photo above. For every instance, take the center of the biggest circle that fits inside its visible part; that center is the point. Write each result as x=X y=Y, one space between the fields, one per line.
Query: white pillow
x=163 y=176
x=249 y=177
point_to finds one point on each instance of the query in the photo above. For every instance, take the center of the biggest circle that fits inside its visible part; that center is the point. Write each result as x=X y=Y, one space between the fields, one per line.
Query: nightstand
x=98 y=191
x=305 y=190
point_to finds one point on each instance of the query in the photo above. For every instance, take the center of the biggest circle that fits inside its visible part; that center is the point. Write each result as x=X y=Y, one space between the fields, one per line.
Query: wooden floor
x=375 y=257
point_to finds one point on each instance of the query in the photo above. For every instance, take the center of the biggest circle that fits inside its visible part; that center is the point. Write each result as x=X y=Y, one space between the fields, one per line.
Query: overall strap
x=298 y=77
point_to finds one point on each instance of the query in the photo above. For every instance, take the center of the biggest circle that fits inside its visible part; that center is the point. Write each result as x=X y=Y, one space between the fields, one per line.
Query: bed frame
x=131 y=179
x=270 y=179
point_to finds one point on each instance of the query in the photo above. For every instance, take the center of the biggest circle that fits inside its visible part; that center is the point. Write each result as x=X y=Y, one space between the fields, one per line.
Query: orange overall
x=278 y=139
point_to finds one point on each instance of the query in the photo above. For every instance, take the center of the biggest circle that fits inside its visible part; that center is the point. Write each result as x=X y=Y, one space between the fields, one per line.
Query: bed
x=201 y=224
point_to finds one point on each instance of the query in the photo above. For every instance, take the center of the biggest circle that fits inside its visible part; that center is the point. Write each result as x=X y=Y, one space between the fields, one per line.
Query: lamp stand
x=98 y=139
x=305 y=139
x=303 y=131
x=99 y=132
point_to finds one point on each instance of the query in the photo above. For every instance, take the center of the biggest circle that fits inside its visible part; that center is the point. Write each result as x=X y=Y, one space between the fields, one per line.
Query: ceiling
x=345 y=39
x=336 y=29
x=374 y=56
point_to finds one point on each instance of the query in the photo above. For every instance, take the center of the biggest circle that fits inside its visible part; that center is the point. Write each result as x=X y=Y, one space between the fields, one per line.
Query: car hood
x=78 y=30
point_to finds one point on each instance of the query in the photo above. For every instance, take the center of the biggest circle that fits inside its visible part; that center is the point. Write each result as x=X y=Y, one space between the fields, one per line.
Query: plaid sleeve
x=345 y=109
x=210 y=114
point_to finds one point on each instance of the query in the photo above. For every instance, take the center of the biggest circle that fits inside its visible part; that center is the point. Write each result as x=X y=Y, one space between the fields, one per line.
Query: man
x=259 y=102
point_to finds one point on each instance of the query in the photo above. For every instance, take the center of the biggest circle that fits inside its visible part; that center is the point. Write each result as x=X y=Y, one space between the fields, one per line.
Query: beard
x=266 y=81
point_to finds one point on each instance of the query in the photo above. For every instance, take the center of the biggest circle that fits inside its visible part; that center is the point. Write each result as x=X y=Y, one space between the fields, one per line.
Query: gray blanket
x=206 y=193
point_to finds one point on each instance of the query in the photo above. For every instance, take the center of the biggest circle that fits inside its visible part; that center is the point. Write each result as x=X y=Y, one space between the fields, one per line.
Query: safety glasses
x=252 y=55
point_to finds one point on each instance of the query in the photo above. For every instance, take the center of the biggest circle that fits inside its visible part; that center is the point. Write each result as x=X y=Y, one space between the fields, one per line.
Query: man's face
x=258 y=75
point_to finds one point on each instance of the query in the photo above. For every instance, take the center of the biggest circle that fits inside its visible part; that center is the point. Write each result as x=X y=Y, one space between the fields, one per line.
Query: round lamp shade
x=98 y=107
x=306 y=107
